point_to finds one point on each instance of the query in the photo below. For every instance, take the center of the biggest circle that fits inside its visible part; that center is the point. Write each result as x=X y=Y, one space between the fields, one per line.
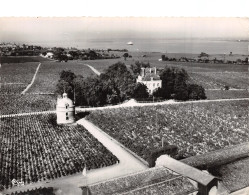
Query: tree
x=126 y=55
x=67 y=75
x=196 y=92
x=203 y=55
x=159 y=92
x=94 y=92
x=58 y=55
x=64 y=87
x=92 y=55
x=164 y=58
x=78 y=84
x=180 y=86
x=139 y=90
x=136 y=69
x=168 y=81
x=117 y=81
x=66 y=83
x=174 y=84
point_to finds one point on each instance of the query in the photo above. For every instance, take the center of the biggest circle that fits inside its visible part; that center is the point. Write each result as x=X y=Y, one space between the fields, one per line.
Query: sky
x=37 y=29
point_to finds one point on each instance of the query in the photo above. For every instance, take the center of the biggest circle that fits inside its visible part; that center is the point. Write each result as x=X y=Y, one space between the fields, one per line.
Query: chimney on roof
x=155 y=70
x=142 y=72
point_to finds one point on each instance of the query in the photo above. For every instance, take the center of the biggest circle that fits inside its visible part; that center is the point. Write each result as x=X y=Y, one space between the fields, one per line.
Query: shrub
x=170 y=150
x=227 y=87
x=196 y=92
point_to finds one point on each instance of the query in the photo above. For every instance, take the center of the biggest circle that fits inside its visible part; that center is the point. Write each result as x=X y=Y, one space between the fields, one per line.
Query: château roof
x=148 y=74
x=148 y=77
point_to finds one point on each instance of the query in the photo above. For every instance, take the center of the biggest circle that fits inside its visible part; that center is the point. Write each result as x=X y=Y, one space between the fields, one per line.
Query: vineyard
x=16 y=103
x=11 y=89
x=231 y=172
x=18 y=72
x=34 y=148
x=217 y=80
x=49 y=74
x=226 y=94
x=21 y=59
x=201 y=67
x=38 y=191
x=158 y=180
x=194 y=128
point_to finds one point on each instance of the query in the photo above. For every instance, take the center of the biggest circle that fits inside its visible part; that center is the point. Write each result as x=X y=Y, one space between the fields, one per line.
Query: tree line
x=118 y=83
x=115 y=85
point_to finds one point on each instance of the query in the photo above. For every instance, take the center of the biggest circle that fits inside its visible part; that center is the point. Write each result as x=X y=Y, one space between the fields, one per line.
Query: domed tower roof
x=64 y=95
x=65 y=101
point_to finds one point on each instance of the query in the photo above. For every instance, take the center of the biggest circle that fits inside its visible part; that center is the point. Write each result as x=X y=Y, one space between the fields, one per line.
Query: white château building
x=150 y=78
x=65 y=110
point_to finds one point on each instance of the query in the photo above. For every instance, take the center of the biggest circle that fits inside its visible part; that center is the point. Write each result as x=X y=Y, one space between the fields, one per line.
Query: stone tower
x=65 y=110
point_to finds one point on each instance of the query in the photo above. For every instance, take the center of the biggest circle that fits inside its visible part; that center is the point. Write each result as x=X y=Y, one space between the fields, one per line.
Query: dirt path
x=126 y=104
x=93 y=69
x=26 y=114
x=69 y=185
x=27 y=88
x=133 y=103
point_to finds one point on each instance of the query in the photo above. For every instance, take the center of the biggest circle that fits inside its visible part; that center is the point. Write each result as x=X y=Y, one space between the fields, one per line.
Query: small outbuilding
x=65 y=110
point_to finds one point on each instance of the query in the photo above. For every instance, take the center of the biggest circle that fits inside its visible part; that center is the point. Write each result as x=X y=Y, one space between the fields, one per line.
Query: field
x=218 y=80
x=210 y=76
x=49 y=74
x=16 y=76
x=38 y=191
x=34 y=148
x=18 y=72
x=152 y=58
x=16 y=103
x=101 y=65
x=195 y=128
x=157 y=180
x=14 y=79
x=234 y=175
x=226 y=94
x=22 y=59
x=12 y=89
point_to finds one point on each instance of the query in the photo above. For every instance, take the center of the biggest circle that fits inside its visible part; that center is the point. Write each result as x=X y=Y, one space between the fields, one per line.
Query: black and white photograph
x=124 y=105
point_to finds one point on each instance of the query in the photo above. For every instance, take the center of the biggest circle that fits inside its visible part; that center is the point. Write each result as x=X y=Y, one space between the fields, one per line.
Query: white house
x=150 y=78
x=49 y=55
x=65 y=110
